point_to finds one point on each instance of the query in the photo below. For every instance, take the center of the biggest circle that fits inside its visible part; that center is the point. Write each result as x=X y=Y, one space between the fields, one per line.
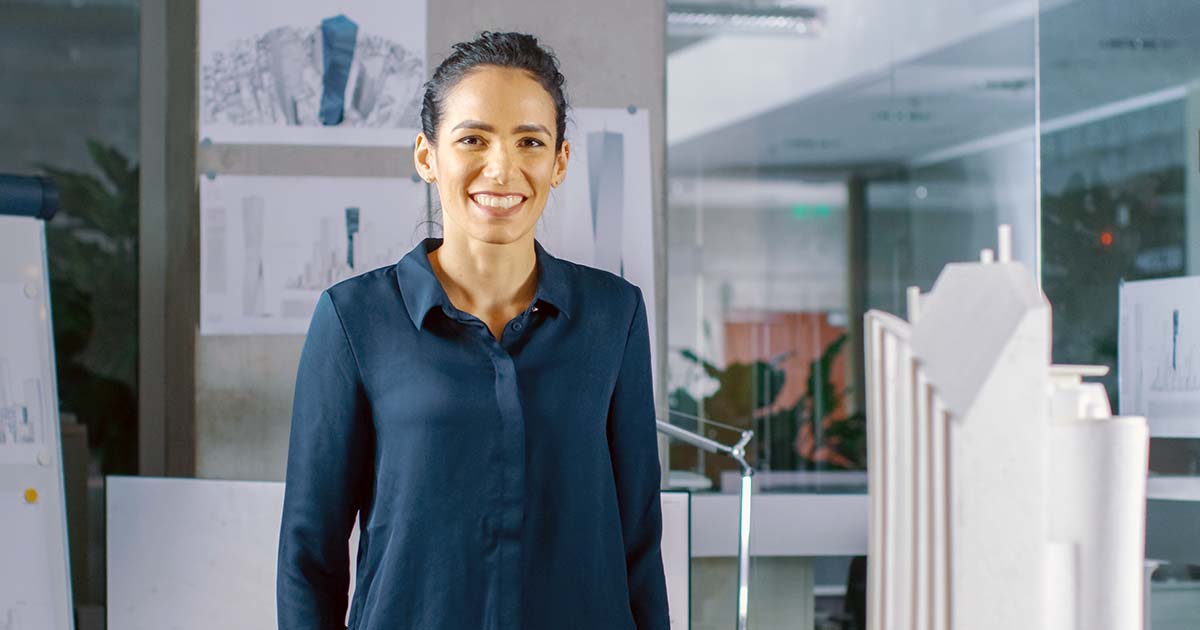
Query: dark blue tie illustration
x=338 y=37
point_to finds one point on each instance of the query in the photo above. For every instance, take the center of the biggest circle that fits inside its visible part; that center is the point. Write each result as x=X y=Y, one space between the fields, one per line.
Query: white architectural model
x=1003 y=492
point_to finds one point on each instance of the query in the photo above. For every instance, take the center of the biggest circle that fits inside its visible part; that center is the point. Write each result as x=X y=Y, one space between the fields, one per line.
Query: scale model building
x=1004 y=493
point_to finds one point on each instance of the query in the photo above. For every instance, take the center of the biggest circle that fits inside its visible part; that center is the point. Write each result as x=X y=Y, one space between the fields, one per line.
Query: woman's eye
x=533 y=142
x=471 y=140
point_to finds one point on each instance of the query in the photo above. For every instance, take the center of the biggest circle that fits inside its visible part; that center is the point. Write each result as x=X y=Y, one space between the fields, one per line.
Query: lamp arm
x=737 y=451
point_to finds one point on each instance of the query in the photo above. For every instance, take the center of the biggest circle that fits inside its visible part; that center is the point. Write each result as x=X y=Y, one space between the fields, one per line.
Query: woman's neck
x=487 y=280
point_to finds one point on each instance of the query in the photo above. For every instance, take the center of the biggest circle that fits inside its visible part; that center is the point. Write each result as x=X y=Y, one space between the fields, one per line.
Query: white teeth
x=493 y=201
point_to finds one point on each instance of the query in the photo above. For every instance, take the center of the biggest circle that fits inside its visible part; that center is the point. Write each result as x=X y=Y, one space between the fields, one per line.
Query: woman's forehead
x=499 y=96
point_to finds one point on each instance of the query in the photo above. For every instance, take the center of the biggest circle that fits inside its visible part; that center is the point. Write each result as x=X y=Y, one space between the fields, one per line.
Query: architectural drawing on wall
x=330 y=262
x=602 y=215
x=1158 y=354
x=351 y=230
x=264 y=268
x=253 y=298
x=311 y=71
x=606 y=192
x=1175 y=371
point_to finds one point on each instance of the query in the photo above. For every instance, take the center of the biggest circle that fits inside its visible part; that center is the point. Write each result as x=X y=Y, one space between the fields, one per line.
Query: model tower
x=1003 y=492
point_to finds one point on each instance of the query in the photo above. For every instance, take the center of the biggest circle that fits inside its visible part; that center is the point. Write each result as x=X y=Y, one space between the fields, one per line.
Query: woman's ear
x=424 y=158
x=560 y=163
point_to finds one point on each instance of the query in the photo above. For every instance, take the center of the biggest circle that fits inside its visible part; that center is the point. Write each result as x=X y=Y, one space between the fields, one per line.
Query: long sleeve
x=633 y=444
x=328 y=475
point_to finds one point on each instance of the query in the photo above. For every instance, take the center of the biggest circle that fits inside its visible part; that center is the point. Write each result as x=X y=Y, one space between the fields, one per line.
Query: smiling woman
x=498 y=159
x=486 y=141
x=484 y=408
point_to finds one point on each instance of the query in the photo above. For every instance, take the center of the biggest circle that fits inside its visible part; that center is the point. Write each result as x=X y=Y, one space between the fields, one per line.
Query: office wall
x=612 y=54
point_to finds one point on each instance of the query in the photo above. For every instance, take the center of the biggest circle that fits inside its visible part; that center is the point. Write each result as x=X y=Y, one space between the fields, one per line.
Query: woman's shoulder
x=370 y=285
x=602 y=288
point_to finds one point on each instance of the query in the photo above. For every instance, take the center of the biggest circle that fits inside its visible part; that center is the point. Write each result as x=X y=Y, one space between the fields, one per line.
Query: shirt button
x=516 y=326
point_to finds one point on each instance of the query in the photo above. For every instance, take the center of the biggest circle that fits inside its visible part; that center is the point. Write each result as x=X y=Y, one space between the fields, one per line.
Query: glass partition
x=1120 y=123
x=822 y=158
x=69 y=102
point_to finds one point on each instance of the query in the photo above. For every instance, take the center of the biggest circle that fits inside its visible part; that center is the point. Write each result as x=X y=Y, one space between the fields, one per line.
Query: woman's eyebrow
x=531 y=128
x=482 y=126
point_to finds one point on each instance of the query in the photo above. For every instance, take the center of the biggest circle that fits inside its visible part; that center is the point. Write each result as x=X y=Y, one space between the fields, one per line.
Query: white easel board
x=196 y=554
x=35 y=587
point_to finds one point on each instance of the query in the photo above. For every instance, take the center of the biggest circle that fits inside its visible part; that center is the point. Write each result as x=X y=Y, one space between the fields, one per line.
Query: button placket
x=512 y=501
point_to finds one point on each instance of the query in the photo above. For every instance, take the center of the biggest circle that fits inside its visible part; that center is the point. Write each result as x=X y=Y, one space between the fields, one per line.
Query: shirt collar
x=422 y=291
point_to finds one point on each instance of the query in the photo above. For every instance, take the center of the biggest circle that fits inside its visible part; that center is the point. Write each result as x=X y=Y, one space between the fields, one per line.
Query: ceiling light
x=1008 y=85
x=1138 y=43
x=727 y=18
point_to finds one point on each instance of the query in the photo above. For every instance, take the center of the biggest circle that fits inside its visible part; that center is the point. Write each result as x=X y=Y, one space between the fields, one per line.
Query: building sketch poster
x=270 y=245
x=603 y=214
x=1158 y=354
x=329 y=72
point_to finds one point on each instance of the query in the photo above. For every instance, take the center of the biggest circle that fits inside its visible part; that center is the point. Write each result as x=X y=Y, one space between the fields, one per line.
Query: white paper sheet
x=263 y=71
x=603 y=214
x=27 y=584
x=1158 y=358
x=23 y=422
x=270 y=245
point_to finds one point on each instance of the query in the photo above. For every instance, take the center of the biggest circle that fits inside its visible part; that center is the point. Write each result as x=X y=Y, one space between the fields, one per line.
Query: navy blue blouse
x=507 y=484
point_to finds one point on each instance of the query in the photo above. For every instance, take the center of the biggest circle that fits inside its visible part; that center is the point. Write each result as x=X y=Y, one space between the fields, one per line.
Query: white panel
x=676 y=553
x=783 y=525
x=197 y=554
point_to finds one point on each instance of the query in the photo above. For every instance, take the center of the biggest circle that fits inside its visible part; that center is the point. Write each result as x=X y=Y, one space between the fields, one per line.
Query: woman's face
x=494 y=163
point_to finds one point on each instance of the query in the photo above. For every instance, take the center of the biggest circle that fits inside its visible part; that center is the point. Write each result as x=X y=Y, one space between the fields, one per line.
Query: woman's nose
x=499 y=164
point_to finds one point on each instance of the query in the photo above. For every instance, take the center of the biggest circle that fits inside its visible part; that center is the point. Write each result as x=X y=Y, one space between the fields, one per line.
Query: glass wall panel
x=1120 y=122
x=69 y=102
x=822 y=158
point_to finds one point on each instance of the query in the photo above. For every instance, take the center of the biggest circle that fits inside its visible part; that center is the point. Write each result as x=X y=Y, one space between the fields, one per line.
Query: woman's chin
x=498 y=234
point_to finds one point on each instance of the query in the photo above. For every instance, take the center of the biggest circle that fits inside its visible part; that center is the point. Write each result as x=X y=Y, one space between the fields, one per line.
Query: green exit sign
x=810 y=211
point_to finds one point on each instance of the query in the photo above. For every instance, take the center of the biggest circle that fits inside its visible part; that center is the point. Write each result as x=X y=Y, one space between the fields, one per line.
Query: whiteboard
x=35 y=590
x=200 y=553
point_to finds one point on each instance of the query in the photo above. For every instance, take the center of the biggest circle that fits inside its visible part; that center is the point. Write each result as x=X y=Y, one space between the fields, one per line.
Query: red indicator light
x=1106 y=238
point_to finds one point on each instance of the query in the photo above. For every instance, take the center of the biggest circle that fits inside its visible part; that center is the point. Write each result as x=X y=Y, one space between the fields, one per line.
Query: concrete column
x=169 y=254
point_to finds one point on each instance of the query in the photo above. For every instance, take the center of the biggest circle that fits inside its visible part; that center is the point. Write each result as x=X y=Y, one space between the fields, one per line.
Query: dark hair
x=506 y=50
